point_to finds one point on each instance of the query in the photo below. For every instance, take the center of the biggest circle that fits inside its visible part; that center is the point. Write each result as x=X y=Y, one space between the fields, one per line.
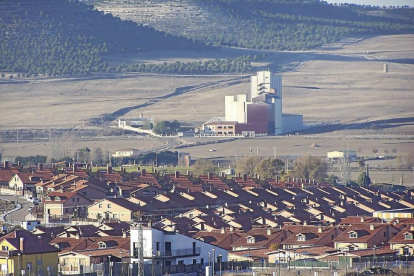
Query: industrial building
x=336 y=155
x=259 y=115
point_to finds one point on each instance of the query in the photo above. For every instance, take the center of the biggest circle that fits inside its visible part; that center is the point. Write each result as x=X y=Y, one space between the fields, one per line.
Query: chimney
x=40 y=166
x=362 y=219
x=269 y=231
x=319 y=229
x=75 y=167
x=108 y=169
x=6 y=164
x=143 y=172
x=305 y=223
x=245 y=177
x=223 y=174
x=177 y=174
x=210 y=176
x=39 y=240
x=371 y=227
x=231 y=229
x=77 y=236
x=19 y=163
x=223 y=230
x=124 y=234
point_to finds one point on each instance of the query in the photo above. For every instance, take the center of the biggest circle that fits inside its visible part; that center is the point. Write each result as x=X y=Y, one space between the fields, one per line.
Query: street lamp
x=122 y=263
x=18 y=261
x=214 y=260
x=221 y=261
x=110 y=270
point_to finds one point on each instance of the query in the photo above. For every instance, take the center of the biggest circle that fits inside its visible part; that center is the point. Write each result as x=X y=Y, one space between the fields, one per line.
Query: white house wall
x=178 y=241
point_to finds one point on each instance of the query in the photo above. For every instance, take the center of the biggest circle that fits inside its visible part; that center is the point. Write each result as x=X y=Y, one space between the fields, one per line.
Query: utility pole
x=274 y=152
x=140 y=250
x=237 y=156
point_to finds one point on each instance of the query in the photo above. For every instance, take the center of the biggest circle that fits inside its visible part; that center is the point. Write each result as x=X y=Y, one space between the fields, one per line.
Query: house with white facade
x=172 y=248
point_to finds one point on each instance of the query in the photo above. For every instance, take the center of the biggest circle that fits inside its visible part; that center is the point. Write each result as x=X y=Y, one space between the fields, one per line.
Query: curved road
x=18 y=215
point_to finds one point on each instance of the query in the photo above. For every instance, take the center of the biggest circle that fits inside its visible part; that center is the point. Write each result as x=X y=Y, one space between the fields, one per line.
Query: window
x=4 y=248
x=230 y=126
x=385 y=234
x=73 y=200
x=353 y=235
x=332 y=237
x=219 y=127
x=408 y=236
x=109 y=205
x=77 y=200
x=67 y=210
x=250 y=240
x=102 y=245
x=351 y=248
x=145 y=193
x=154 y=193
x=202 y=260
x=301 y=238
x=406 y=251
x=100 y=205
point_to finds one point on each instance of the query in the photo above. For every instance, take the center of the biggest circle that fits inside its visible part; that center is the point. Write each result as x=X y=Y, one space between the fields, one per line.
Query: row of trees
x=309 y=167
x=240 y=64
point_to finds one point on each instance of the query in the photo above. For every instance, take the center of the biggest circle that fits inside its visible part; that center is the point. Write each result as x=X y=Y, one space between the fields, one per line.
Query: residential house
x=364 y=236
x=403 y=242
x=171 y=248
x=21 y=250
x=62 y=203
x=308 y=236
x=113 y=208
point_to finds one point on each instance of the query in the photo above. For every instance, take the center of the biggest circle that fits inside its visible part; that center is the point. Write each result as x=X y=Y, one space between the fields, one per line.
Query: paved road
x=20 y=214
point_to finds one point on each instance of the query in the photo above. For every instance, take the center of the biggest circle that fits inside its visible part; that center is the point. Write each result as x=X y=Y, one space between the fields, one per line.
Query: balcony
x=169 y=254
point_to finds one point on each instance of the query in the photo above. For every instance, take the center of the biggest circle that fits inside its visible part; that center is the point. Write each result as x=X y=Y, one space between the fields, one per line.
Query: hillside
x=264 y=24
x=61 y=37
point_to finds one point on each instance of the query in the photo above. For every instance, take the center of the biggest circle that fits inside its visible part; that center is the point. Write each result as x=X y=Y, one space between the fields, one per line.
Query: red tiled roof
x=400 y=237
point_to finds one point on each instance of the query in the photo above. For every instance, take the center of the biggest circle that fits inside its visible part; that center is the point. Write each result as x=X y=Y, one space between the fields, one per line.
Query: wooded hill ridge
x=263 y=24
x=62 y=37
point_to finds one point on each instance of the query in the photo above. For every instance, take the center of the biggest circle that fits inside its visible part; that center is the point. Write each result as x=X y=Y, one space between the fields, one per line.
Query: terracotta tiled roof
x=261 y=237
x=363 y=230
x=357 y=220
x=313 y=234
x=70 y=244
x=408 y=232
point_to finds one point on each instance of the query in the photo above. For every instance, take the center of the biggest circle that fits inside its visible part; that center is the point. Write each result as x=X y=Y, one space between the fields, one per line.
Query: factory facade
x=261 y=114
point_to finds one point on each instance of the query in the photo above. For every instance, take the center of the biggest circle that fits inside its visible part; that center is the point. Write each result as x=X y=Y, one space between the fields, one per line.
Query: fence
x=126 y=269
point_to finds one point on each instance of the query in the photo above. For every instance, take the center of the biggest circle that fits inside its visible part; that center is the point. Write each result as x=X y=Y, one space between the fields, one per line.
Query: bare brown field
x=53 y=103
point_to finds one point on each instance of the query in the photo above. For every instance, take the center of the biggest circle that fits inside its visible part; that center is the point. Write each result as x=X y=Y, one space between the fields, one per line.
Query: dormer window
x=353 y=235
x=57 y=198
x=250 y=239
x=47 y=198
x=301 y=237
x=102 y=245
x=408 y=236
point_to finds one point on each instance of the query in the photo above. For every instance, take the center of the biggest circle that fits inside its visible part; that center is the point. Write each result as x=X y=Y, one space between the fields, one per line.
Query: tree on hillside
x=202 y=167
x=310 y=167
x=97 y=157
x=248 y=164
x=364 y=179
x=332 y=180
x=269 y=168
